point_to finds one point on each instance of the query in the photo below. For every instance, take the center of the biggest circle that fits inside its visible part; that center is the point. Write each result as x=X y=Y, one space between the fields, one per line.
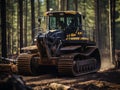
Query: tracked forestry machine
x=64 y=45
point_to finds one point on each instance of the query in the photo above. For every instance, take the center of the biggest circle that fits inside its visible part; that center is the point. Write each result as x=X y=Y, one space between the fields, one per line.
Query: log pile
x=8 y=68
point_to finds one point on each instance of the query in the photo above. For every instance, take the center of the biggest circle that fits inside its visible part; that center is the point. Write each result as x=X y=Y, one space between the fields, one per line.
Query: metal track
x=67 y=65
x=24 y=61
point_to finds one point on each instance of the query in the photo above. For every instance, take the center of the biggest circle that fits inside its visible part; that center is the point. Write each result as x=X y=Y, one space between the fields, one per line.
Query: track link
x=24 y=63
x=67 y=65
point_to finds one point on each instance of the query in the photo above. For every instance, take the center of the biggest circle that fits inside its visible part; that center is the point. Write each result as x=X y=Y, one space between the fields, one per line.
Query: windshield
x=61 y=22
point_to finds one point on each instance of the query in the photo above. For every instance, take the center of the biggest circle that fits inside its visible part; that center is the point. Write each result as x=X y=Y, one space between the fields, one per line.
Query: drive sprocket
x=26 y=64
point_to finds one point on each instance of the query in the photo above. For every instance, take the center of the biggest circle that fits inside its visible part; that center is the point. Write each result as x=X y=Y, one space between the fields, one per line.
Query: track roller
x=76 y=66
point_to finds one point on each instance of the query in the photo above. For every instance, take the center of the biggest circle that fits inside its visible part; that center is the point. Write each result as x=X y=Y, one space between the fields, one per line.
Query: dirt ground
x=102 y=80
x=107 y=78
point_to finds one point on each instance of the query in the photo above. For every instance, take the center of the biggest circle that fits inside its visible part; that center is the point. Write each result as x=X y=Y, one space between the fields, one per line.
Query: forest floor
x=107 y=78
x=102 y=80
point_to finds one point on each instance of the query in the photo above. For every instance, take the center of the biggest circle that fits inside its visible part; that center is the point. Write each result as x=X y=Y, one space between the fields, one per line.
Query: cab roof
x=61 y=12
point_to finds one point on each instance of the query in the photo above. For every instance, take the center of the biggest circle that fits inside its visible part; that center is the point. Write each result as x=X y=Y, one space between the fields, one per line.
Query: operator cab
x=62 y=20
x=69 y=22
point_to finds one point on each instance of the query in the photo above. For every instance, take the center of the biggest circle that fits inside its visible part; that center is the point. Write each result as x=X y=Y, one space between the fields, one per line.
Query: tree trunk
x=18 y=29
x=62 y=5
x=21 y=23
x=38 y=8
x=59 y=5
x=38 y=14
x=32 y=18
x=112 y=25
x=12 y=31
x=75 y=5
x=25 y=23
x=3 y=28
x=97 y=26
x=47 y=5
x=67 y=4
x=8 y=36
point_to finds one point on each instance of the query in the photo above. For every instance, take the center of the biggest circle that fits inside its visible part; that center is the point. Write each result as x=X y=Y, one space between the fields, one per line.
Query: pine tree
x=3 y=28
x=21 y=22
